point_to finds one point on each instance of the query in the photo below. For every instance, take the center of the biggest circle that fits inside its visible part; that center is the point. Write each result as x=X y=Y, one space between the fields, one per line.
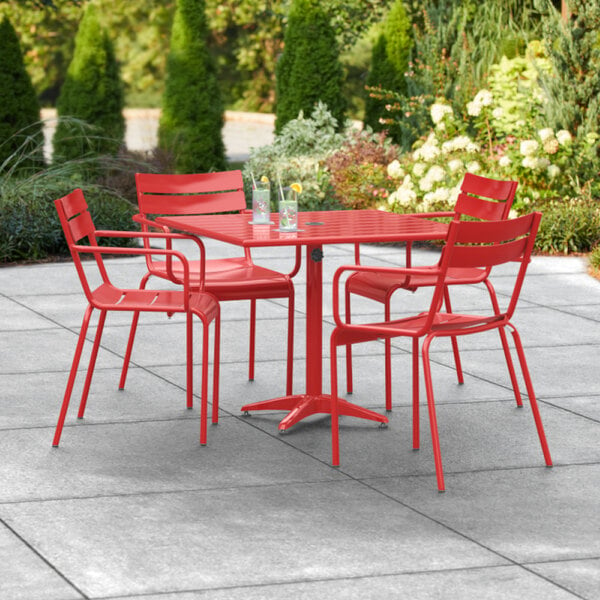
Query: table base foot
x=303 y=405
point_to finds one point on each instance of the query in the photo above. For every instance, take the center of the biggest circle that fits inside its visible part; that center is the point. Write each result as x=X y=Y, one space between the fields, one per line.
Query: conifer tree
x=309 y=69
x=92 y=92
x=192 y=116
x=19 y=107
x=389 y=62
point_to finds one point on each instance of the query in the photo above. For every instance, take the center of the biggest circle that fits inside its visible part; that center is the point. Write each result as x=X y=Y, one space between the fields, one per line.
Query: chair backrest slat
x=488 y=188
x=487 y=256
x=199 y=193
x=81 y=226
x=480 y=208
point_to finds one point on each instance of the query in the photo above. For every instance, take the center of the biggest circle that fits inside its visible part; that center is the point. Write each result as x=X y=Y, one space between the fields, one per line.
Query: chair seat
x=452 y=323
x=233 y=278
x=109 y=297
x=379 y=286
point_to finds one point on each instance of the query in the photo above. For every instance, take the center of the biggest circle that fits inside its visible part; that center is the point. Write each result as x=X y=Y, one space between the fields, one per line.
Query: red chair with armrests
x=78 y=227
x=480 y=198
x=470 y=245
x=227 y=278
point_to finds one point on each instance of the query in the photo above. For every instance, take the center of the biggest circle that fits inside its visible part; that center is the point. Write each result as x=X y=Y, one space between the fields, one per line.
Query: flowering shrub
x=358 y=170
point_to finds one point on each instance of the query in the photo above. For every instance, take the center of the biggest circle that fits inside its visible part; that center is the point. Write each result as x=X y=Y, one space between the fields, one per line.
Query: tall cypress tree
x=192 y=116
x=92 y=92
x=389 y=62
x=309 y=69
x=19 y=107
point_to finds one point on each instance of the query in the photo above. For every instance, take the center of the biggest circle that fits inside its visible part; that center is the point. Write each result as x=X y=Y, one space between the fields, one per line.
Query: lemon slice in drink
x=297 y=187
x=264 y=179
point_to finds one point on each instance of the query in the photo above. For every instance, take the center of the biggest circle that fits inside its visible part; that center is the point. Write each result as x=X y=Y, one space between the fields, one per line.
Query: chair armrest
x=372 y=269
x=168 y=252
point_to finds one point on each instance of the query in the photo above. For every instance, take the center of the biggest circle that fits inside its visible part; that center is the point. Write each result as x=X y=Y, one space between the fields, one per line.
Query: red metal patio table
x=315 y=229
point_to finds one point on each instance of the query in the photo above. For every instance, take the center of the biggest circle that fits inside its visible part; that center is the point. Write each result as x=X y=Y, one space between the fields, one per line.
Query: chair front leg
x=216 y=367
x=252 y=343
x=189 y=362
x=72 y=375
x=91 y=366
x=204 y=397
x=415 y=393
x=290 y=343
x=349 y=375
x=335 y=427
x=435 y=440
x=388 y=359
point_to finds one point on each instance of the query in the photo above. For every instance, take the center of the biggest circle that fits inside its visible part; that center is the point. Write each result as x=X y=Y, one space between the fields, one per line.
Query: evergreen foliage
x=92 y=92
x=573 y=86
x=20 y=126
x=309 y=69
x=389 y=63
x=192 y=116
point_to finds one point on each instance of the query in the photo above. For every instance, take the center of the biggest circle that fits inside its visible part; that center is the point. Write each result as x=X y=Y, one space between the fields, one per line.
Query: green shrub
x=20 y=127
x=594 y=259
x=309 y=69
x=298 y=154
x=192 y=115
x=93 y=93
x=568 y=226
x=358 y=170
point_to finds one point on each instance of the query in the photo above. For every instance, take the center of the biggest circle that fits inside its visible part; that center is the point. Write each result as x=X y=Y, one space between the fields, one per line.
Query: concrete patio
x=131 y=506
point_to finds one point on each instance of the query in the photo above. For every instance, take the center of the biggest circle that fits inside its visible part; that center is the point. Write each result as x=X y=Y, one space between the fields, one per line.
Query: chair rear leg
x=72 y=375
x=216 y=367
x=290 y=343
x=92 y=365
x=532 y=399
x=349 y=375
x=435 y=440
x=132 y=331
x=505 y=346
x=189 y=363
x=388 y=361
x=204 y=396
x=454 y=341
x=252 y=343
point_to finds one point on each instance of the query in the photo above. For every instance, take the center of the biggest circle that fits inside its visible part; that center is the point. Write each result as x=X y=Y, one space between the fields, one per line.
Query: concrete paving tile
x=49 y=278
x=588 y=311
x=46 y=350
x=582 y=577
x=569 y=370
x=237 y=536
x=14 y=316
x=125 y=458
x=530 y=515
x=492 y=583
x=34 y=399
x=465 y=431
x=588 y=406
x=25 y=576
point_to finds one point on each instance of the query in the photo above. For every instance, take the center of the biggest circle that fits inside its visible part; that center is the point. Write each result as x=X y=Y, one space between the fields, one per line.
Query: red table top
x=314 y=228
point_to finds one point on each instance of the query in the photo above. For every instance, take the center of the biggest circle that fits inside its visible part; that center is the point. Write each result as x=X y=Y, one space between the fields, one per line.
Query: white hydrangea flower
x=512 y=214
x=425 y=185
x=441 y=194
x=454 y=193
x=448 y=147
x=504 y=161
x=405 y=196
x=419 y=169
x=394 y=169
x=553 y=171
x=429 y=152
x=460 y=142
x=542 y=162
x=473 y=147
x=484 y=98
x=473 y=167
x=546 y=134
x=436 y=174
x=530 y=162
x=441 y=126
x=498 y=113
x=439 y=111
x=473 y=109
x=455 y=165
x=563 y=137
x=551 y=146
x=529 y=147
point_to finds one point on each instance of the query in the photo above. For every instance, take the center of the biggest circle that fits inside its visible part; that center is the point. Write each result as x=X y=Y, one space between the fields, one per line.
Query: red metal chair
x=480 y=198
x=470 y=245
x=77 y=225
x=227 y=278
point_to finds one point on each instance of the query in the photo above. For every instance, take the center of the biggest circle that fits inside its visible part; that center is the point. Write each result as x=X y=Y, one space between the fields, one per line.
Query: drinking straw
x=253 y=180
x=280 y=188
